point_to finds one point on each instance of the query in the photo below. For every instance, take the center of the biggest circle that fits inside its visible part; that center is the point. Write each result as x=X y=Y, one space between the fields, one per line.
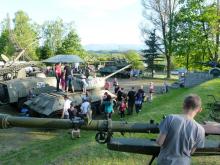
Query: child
x=84 y=83
x=151 y=91
x=122 y=108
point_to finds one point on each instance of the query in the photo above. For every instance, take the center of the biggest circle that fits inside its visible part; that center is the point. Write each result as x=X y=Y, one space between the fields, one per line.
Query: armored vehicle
x=51 y=104
x=17 y=91
x=112 y=66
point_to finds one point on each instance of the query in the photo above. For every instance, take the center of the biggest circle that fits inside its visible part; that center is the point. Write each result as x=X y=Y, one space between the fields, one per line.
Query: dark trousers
x=108 y=116
x=137 y=108
x=58 y=82
x=122 y=114
x=130 y=108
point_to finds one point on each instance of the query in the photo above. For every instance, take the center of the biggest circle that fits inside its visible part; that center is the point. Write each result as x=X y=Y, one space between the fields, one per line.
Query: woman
x=108 y=107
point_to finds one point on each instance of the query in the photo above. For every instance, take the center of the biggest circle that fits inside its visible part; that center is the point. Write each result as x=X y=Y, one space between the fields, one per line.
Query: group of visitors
x=132 y=99
x=70 y=110
x=64 y=77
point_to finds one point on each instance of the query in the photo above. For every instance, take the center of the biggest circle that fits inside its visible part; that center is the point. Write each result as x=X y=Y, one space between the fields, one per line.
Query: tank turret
x=94 y=82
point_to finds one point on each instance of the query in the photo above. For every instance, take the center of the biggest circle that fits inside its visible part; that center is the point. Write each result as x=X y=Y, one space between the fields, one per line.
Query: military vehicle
x=112 y=66
x=51 y=104
x=106 y=128
x=17 y=91
x=15 y=68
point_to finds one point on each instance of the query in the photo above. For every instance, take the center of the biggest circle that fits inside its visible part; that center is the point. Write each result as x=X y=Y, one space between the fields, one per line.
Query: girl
x=122 y=108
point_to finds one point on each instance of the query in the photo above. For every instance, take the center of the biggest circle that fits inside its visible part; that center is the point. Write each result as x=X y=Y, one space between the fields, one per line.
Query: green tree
x=161 y=15
x=151 y=54
x=195 y=41
x=6 y=47
x=71 y=45
x=24 y=33
x=52 y=34
x=135 y=59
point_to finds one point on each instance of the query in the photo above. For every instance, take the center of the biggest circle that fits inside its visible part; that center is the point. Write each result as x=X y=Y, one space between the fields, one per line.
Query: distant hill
x=115 y=47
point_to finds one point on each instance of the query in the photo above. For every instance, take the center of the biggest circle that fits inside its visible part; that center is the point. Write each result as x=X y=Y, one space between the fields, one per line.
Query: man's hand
x=161 y=138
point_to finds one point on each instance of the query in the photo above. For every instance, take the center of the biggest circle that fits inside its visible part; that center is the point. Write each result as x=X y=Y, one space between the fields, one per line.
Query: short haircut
x=192 y=102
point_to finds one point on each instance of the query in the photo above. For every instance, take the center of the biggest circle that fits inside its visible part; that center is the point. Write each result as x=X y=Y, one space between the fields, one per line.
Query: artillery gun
x=106 y=128
x=51 y=104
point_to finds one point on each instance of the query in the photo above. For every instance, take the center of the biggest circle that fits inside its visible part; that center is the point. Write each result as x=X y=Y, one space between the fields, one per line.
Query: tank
x=16 y=91
x=51 y=104
x=112 y=66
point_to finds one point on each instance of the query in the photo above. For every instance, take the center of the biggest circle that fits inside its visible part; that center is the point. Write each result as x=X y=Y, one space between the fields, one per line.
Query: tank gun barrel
x=112 y=74
x=8 y=121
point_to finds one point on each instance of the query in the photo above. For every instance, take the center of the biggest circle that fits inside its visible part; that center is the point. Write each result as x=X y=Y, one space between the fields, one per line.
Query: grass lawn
x=61 y=150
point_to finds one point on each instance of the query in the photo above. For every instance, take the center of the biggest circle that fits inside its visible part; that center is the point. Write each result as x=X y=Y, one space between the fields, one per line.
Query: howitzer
x=106 y=128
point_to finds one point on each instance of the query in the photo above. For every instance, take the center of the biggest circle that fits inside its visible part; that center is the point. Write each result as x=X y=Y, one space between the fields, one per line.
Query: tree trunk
x=168 y=66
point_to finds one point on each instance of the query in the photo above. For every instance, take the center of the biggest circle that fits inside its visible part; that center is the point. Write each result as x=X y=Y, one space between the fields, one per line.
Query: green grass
x=62 y=150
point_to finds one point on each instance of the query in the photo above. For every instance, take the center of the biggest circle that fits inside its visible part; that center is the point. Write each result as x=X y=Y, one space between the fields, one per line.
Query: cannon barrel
x=8 y=121
x=112 y=74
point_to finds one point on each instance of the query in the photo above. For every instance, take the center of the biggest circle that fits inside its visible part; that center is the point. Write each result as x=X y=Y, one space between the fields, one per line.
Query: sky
x=96 y=21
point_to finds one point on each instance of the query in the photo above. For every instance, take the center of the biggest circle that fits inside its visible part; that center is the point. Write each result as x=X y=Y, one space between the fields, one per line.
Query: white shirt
x=85 y=107
x=66 y=106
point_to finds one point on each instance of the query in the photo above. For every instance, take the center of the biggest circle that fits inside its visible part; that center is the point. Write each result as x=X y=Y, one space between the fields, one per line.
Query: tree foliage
x=151 y=54
x=162 y=19
x=24 y=33
x=195 y=39
x=135 y=59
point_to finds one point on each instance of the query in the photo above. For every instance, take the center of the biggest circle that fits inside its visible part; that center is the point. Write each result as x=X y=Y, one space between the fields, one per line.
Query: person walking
x=180 y=135
x=151 y=91
x=66 y=106
x=68 y=78
x=122 y=108
x=58 y=73
x=108 y=107
x=131 y=100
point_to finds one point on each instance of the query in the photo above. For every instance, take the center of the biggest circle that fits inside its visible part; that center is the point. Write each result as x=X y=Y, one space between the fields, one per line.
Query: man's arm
x=161 y=138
